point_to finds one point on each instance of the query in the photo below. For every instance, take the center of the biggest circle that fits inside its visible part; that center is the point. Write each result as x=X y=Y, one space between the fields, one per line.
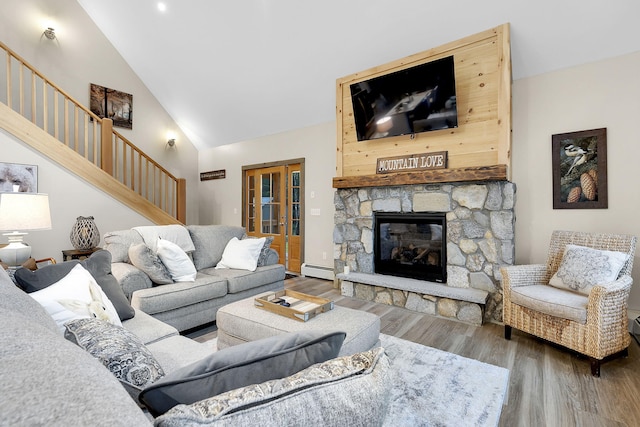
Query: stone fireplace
x=478 y=232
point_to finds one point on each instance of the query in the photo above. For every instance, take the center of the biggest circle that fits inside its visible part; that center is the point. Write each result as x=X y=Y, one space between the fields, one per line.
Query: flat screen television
x=418 y=99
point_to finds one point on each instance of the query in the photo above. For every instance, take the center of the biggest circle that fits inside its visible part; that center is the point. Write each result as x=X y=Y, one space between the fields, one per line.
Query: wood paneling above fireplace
x=479 y=149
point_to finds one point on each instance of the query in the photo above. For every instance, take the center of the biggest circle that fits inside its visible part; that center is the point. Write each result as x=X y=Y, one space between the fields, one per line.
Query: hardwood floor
x=548 y=385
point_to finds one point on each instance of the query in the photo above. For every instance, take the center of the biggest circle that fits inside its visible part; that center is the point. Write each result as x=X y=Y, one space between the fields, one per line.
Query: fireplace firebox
x=411 y=245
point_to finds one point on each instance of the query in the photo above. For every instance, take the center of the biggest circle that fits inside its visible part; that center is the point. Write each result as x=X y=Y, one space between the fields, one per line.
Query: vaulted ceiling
x=234 y=70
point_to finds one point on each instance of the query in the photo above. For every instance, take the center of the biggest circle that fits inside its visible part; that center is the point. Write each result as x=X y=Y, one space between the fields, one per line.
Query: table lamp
x=20 y=212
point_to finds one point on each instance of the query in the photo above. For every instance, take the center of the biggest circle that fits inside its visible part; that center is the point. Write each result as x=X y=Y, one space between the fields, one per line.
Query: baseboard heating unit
x=317 y=271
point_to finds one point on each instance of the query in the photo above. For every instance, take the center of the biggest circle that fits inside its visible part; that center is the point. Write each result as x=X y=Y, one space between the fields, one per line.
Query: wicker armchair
x=604 y=332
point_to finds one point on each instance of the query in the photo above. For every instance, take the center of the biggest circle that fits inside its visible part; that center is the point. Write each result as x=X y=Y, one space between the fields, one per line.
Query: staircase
x=46 y=118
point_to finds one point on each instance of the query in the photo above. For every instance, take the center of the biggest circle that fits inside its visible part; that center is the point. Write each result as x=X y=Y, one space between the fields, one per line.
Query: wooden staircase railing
x=37 y=99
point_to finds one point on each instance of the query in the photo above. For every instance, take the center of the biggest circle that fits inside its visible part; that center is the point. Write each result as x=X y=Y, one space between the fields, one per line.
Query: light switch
x=315 y=212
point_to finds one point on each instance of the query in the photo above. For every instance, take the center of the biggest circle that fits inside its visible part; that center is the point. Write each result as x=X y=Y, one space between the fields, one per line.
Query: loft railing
x=47 y=106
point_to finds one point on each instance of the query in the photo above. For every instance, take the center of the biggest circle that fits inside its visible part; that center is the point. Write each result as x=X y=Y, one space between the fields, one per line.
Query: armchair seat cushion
x=552 y=301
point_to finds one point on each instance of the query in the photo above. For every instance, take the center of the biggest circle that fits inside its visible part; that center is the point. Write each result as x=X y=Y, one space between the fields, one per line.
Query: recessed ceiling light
x=162 y=7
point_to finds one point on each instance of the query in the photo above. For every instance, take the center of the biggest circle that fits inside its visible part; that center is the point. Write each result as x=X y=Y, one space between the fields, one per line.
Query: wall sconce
x=171 y=141
x=50 y=33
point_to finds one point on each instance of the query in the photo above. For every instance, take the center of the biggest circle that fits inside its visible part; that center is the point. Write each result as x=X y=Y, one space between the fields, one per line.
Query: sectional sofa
x=186 y=305
x=84 y=379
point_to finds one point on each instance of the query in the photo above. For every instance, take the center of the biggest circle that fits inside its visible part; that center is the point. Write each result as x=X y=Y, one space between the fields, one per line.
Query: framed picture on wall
x=112 y=104
x=15 y=177
x=580 y=169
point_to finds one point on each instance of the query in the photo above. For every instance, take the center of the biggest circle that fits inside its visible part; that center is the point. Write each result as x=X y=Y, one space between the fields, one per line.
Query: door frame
x=285 y=163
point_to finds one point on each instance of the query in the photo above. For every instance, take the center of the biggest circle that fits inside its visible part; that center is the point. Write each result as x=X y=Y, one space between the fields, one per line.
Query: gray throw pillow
x=98 y=264
x=346 y=391
x=118 y=350
x=143 y=257
x=241 y=365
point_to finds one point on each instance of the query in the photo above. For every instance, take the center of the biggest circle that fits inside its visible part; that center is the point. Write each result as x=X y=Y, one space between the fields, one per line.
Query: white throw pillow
x=583 y=268
x=76 y=296
x=241 y=254
x=177 y=261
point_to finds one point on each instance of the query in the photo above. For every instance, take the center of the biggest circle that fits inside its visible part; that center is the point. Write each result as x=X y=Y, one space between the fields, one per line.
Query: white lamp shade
x=21 y=212
x=24 y=211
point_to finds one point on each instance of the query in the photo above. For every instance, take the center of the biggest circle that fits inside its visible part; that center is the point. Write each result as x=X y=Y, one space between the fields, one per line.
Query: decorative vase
x=85 y=234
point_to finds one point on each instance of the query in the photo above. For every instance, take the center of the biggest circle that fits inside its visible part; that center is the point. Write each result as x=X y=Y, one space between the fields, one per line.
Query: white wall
x=69 y=198
x=221 y=200
x=595 y=95
x=82 y=55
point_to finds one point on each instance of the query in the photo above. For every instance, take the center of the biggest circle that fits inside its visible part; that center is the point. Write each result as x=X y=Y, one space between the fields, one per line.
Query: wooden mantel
x=471 y=174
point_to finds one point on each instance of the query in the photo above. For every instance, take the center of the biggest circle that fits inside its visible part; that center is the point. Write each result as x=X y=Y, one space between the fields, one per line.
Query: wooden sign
x=219 y=174
x=412 y=162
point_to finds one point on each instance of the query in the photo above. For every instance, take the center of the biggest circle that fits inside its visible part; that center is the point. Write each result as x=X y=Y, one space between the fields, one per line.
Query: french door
x=273 y=207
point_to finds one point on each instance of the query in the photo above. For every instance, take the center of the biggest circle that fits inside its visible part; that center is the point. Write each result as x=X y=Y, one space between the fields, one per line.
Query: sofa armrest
x=130 y=277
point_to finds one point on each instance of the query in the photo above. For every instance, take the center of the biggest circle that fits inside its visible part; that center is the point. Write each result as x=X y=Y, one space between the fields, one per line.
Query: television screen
x=410 y=101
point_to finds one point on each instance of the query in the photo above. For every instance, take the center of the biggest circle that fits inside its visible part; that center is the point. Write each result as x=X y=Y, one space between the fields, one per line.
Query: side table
x=69 y=254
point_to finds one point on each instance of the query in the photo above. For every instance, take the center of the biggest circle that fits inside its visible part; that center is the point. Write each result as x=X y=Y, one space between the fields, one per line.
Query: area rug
x=432 y=387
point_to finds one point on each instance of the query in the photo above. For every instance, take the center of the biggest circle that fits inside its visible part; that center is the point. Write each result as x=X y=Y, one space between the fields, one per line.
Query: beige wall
x=82 y=55
x=595 y=95
x=221 y=200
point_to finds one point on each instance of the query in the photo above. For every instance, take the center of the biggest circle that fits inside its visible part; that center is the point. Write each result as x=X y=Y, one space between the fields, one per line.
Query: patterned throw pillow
x=143 y=257
x=264 y=253
x=583 y=268
x=360 y=383
x=118 y=350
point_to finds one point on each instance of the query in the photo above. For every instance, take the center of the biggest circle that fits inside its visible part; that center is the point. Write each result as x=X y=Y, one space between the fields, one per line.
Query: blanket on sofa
x=175 y=233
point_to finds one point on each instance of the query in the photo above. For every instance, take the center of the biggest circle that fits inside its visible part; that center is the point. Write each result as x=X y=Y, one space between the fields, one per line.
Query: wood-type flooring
x=548 y=385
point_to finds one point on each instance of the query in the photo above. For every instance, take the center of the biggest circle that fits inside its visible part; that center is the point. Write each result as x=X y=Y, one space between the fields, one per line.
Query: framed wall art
x=580 y=169
x=15 y=177
x=112 y=104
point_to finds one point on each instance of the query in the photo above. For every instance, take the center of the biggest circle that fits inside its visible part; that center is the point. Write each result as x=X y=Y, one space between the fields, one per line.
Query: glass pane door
x=270 y=202
x=251 y=203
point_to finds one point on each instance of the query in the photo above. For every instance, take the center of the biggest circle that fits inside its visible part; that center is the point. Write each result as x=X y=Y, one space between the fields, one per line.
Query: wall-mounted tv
x=418 y=99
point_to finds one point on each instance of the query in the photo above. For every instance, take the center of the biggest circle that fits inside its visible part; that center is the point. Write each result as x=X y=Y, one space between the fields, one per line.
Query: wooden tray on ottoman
x=303 y=307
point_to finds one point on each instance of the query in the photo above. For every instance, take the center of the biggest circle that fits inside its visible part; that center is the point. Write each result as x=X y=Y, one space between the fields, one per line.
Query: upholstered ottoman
x=242 y=321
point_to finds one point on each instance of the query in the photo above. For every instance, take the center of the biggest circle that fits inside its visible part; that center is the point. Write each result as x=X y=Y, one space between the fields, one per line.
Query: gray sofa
x=46 y=380
x=186 y=305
